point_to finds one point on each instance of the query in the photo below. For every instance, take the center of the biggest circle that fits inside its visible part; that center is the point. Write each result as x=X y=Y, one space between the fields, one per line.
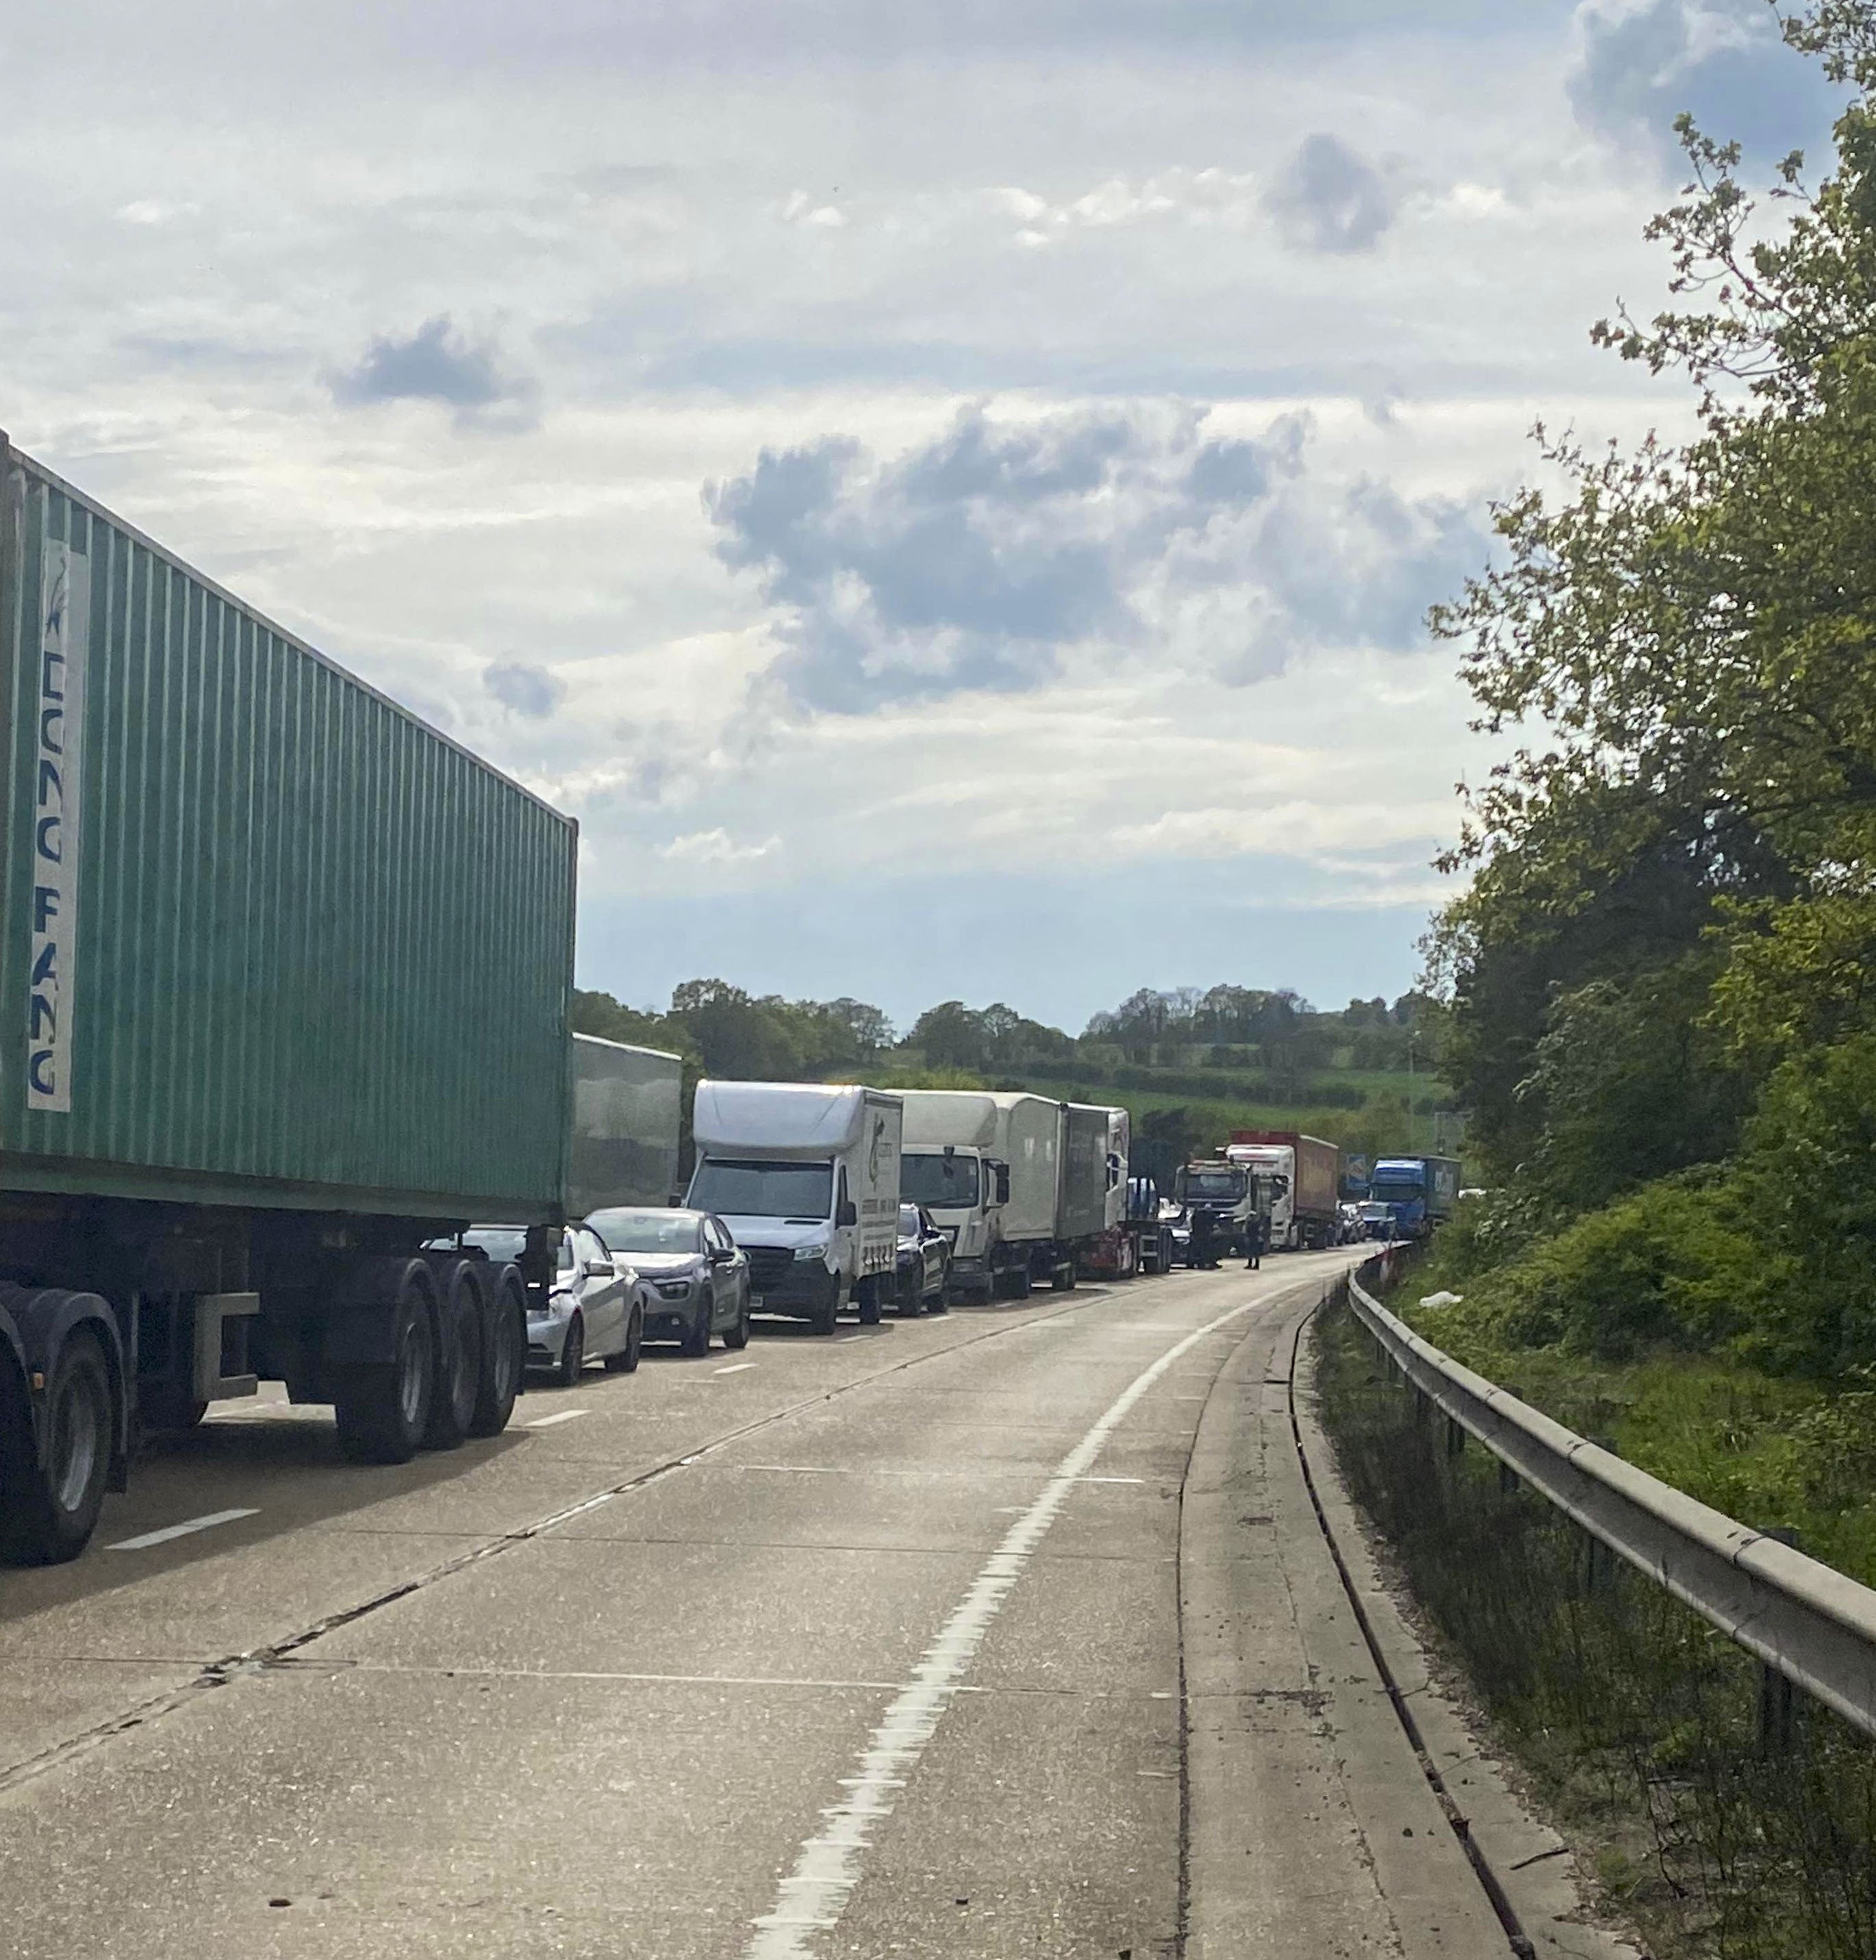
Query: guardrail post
x=1455 y=1438
x=1778 y=1698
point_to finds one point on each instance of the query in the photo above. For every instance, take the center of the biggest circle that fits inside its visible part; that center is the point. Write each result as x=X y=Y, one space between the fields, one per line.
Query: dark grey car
x=696 y=1277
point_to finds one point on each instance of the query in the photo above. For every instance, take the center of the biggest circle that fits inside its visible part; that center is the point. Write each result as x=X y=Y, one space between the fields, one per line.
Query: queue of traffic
x=292 y=1097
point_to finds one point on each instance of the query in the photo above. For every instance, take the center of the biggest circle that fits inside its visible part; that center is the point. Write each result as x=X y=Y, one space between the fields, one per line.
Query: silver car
x=595 y=1310
x=697 y=1275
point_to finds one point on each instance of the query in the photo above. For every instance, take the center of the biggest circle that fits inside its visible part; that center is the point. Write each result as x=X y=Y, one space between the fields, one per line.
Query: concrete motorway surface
x=1010 y=1633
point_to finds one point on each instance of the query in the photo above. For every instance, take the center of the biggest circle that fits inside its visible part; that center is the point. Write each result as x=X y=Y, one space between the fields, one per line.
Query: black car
x=924 y=1263
x=696 y=1277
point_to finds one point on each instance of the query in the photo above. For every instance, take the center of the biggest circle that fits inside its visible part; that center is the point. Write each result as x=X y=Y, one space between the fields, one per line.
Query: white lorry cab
x=806 y=1175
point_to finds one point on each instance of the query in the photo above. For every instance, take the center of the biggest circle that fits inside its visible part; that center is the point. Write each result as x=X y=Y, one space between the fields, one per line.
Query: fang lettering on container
x=64 y=594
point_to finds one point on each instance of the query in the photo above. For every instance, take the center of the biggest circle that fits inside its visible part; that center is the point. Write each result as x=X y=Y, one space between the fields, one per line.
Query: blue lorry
x=1421 y=1191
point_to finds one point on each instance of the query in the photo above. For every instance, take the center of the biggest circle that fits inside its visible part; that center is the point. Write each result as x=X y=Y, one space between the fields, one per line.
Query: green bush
x=1670 y=1266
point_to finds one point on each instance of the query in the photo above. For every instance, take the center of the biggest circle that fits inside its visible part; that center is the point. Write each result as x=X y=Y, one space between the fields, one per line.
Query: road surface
x=1011 y=1633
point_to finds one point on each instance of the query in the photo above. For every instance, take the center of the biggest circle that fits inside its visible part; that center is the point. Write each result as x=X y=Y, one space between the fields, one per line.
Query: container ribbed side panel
x=323 y=955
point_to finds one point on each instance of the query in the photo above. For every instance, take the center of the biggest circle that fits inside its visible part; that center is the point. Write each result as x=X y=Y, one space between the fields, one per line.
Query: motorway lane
x=655 y=1726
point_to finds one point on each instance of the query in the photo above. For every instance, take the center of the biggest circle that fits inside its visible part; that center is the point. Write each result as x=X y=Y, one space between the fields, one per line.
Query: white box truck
x=1026 y=1185
x=987 y=1169
x=628 y=1104
x=806 y=1176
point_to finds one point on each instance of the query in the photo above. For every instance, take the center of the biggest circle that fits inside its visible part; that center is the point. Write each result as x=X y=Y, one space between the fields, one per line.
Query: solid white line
x=169 y=1532
x=812 y=1897
x=735 y=1368
x=548 y=1422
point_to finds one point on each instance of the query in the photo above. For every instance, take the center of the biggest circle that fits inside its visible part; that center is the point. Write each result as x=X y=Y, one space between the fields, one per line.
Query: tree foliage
x=1677 y=856
x=1662 y=1011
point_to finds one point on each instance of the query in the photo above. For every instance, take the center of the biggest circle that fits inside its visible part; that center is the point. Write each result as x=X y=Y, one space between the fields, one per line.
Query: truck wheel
x=47 y=1514
x=383 y=1408
x=1020 y=1282
x=1062 y=1279
x=458 y=1382
x=504 y=1356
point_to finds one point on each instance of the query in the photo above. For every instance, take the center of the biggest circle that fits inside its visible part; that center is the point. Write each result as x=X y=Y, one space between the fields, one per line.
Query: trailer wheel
x=1062 y=1279
x=48 y=1512
x=504 y=1356
x=383 y=1408
x=459 y=1350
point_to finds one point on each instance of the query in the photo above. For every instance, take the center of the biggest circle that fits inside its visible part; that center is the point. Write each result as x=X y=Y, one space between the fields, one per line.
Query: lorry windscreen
x=738 y=1187
x=1215 y=1184
x=1398 y=1184
x=938 y=1183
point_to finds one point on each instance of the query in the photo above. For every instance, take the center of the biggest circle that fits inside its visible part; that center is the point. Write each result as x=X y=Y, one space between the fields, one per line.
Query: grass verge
x=1641 y=1726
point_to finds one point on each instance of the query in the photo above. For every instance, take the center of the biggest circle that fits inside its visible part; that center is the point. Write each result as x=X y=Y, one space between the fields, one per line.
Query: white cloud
x=562 y=284
x=716 y=846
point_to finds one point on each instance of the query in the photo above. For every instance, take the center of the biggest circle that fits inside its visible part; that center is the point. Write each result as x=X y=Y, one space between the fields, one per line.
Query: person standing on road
x=1200 y=1253
x=1253 y=1241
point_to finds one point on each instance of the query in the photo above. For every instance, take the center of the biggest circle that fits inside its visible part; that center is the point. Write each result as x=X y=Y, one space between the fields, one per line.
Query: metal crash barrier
x=1813 y=1626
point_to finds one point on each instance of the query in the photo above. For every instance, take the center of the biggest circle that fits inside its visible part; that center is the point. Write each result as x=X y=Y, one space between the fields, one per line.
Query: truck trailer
x=806 y=1176
x=627 y=1111
x=288 y=972
x=1305 y=1176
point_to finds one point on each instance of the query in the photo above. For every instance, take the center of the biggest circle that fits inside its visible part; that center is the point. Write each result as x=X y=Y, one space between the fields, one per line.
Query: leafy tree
x=950 y=1035
x=1685 y=640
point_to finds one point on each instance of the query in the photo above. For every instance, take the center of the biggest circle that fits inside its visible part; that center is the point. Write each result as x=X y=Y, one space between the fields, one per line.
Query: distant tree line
x=723 y=1031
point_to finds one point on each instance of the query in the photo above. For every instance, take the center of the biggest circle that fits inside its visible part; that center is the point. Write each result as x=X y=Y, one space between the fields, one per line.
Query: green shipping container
x=269 y=940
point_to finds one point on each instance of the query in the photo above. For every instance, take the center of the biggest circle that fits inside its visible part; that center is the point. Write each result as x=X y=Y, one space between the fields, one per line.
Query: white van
x=806 y=1176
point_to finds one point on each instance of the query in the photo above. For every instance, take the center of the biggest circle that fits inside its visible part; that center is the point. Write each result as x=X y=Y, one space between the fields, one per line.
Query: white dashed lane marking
x=143 y=1542
x=548 y=1422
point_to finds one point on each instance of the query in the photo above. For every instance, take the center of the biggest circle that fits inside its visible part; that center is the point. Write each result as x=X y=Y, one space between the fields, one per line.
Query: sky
x=947 y=493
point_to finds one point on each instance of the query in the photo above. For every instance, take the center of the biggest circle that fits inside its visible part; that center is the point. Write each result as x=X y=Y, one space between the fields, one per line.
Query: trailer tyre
x=48 y=1513
x=383 y=1408
x=458 y=1384
x=1062 y=1279
x=504 y=1356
